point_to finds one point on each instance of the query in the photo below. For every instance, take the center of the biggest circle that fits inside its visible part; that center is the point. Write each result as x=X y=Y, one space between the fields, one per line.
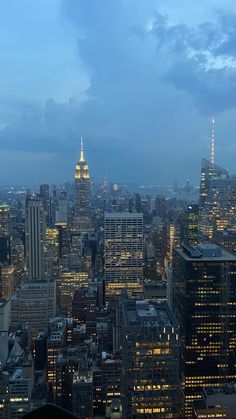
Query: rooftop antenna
x=81 y=150
x=213 y=141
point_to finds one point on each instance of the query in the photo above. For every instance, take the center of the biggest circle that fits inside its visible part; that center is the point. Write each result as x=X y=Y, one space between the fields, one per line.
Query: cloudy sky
x=139 y=79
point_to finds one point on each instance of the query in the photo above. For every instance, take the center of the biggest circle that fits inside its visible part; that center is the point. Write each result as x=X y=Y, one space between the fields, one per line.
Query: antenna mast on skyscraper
x=81 y=150
x=213 y=141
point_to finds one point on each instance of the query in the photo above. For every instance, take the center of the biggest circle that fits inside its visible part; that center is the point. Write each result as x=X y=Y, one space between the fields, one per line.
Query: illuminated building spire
x=82 y=220
x=213 y=141
x=81 y=150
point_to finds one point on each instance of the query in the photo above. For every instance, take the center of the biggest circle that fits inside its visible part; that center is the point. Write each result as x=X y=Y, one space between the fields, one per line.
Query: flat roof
x=148 y=313
x=194 y=254
x=117 y=215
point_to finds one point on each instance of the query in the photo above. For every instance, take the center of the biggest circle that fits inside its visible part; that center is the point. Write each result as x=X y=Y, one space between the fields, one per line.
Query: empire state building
x=82 y=194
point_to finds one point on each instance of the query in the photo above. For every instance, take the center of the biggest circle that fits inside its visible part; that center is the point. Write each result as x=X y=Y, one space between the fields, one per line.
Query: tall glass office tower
x=204 y=302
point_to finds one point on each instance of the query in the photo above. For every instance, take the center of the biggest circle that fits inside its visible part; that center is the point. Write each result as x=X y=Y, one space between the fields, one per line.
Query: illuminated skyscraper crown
x=81 y=169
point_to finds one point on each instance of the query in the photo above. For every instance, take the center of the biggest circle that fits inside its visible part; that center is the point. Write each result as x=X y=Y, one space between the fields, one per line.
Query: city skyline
x=123 y=80
x=117 y=209
x=104 y=174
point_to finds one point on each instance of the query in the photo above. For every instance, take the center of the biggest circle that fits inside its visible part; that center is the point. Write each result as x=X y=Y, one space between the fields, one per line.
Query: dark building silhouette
x=204 y=302
x=189 y=225
x=45 y=199
x=40 y=351
x=35 y=237
x=5 y=249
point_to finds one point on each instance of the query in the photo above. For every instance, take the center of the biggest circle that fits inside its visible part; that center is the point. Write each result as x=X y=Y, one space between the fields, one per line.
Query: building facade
x=204 y=302
x=150 y=357
x=217 y=201
x=34 y=302
x=123 y=251
x=35 y=237
x=5 y=220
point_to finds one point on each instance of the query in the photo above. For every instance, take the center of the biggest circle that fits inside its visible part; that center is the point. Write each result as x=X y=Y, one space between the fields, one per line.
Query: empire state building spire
x=81 y=150
x=82 y=193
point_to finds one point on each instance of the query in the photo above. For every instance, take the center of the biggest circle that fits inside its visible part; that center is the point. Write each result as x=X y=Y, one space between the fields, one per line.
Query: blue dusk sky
x=139 y=79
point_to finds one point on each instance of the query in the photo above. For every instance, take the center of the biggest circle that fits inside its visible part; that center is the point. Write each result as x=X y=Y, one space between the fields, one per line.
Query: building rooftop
x=148 y=313
x=227 y=389
x=57 y=328
x=127 y=214
x=81 y=377
x=80 y=328
x=205 y=252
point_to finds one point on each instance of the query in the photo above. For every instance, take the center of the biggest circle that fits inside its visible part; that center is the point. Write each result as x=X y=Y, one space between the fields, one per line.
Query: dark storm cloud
x=152 y=86
x=149 y=73
x=52 y=129
x=196 y=60
x=199 y=60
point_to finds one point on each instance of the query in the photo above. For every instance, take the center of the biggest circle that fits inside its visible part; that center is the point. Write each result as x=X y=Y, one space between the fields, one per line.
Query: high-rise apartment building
x=35 y=237
x=204 y=302
x=150 y=356
x=82 y=208
x=123 y=253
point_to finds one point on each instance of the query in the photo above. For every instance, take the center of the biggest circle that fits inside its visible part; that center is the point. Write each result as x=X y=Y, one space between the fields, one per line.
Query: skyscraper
x=62 y=212
x=7 y=281
x=82 y=394
x=217 y=201
x=34 y=302
x=4 y=220
x=123 y=253
x=209 y=172
x=204 y=302
x=35 y=237
x=51 y=260
x=150 y=355
x=5 y=249
x=45 y=198
x=189 y=225
x=82 y=193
